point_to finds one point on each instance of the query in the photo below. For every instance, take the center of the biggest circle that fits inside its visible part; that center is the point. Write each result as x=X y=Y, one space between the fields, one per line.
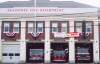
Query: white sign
x=59 y=35
x=27 y=10
x=63 y=35
x=72 y=34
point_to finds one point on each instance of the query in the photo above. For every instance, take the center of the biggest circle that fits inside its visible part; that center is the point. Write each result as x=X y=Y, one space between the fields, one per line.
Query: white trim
x=71 y=43
x=47 y=51
x=23 y=43
x=51 y=18
x=59 y=10
x=96 y=57
x=0 y=40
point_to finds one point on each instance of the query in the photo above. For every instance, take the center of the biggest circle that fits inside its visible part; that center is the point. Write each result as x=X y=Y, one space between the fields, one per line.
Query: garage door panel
x=7 y=60
x=11 y=48
x=11 y=53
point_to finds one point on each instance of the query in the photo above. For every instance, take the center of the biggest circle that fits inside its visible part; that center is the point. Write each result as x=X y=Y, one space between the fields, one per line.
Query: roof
x=44 y=3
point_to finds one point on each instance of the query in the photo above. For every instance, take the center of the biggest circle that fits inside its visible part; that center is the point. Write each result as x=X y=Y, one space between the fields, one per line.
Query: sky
x=89 y=2
x=11 y=0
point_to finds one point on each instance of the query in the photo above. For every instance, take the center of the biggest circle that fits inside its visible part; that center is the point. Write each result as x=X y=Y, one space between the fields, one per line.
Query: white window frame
x=39 y=25
x=30 y=26
x=90 y=27
x=79 y=24
x=63 y=25
x=8 y=27
x=54 y=25
x=16 y=25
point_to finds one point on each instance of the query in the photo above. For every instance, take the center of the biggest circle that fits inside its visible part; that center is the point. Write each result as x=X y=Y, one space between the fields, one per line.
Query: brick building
x=31 y=34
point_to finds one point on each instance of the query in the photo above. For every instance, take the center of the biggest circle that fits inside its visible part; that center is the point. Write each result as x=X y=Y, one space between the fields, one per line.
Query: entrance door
x=59 y=52
x=84 y=52
x=11 y=53
x=35 y=53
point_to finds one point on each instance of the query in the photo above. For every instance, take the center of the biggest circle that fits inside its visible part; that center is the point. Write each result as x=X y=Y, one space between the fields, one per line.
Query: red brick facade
x=41 y=36
x=91 y=36
x=11 y=23
x=59 y=29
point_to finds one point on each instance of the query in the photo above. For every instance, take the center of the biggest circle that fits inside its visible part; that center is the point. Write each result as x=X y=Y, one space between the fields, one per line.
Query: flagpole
x=35 y=15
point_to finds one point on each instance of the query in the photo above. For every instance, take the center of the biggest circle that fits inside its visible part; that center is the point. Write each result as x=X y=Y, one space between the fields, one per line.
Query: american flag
x=86 y=34
x=10 y=34
x=35 y=34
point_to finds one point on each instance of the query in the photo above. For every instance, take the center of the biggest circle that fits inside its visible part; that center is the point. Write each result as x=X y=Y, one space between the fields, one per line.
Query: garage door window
x=4 y=54
x=17 y=54
x=11 y=54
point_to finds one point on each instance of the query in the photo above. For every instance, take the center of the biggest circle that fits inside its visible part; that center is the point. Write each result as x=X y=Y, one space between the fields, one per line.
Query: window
x=59 y=55
x=16 y=28
x=4 y=54
x=82 y=51
x=64 y=27
x=6 y=27
x=59 y=52
x=17 y=54
x=54 y=27
x=36 y=54
x=11 y=54
x=88 y=27
x=79 y=27
x=83 y=54
x=40 y=27
x=30 y=27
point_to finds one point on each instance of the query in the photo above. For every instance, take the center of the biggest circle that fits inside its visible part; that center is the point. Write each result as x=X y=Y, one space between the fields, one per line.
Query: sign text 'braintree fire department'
x=64 y=35
x=36 y=10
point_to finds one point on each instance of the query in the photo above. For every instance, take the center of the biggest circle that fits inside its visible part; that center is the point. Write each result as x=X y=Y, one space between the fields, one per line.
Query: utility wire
x=52 y=27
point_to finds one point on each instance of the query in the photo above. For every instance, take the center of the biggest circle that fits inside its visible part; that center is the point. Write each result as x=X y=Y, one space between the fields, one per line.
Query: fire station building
x=51 y=32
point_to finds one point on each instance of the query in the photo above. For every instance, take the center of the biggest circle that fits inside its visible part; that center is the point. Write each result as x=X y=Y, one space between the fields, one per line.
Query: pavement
x=49 y=63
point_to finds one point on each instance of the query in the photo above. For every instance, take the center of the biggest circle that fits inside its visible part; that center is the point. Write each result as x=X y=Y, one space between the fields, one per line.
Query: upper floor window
x=40 y=27
x=16 y=28
x=79 y=27
x=6 y=27
x=64 y=27
x=54 y=27
x=30 y=27
x=88 y=27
